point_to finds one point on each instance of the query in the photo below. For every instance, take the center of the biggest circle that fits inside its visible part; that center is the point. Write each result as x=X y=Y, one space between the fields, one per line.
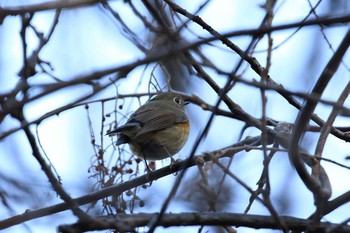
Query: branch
x=20 y=10
x=162 y=54
x=128 y=222
x=118 y=189
x=326 y=129
x=255 y=65
x=280 y=135
x=303 y=119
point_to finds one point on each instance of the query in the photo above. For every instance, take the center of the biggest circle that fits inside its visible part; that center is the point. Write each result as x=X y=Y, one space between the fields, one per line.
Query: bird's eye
x=177 y=100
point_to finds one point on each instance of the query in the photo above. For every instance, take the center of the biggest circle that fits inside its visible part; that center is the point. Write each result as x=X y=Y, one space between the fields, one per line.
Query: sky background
x=89 y=39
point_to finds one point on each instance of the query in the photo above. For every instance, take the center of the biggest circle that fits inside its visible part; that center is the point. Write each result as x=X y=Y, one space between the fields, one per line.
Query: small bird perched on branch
x=156 y=130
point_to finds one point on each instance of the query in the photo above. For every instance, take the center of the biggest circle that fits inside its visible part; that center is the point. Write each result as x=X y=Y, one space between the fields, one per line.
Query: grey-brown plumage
x=158 y=129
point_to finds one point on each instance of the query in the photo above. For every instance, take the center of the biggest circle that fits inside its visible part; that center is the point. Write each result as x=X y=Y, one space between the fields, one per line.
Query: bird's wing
x=148 y=119
x=128 y=127
x=155 y=119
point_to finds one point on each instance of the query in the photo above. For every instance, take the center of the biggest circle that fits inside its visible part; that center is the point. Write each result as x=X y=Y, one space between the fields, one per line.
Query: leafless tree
x=236 y=153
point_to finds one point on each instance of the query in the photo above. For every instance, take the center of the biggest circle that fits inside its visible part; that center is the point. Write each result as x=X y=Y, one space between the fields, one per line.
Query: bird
x=156 y=130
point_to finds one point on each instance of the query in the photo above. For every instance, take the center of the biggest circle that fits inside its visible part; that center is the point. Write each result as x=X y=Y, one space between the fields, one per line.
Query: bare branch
x=127 y=222
x=305 y=115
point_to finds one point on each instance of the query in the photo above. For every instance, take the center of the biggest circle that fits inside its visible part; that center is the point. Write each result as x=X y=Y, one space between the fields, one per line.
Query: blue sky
x=89 y=39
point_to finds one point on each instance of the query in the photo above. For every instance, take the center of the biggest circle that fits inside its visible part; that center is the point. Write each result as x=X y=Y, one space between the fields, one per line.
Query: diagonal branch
x=304 y=117
x=117 y=189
